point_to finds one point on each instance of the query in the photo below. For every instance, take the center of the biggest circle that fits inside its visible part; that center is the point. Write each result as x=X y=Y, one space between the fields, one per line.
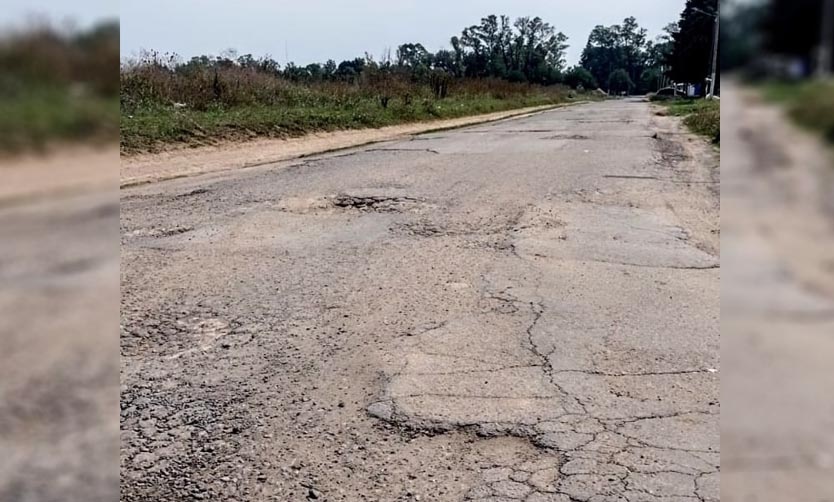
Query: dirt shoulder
x=63 y=170
x=181 y=162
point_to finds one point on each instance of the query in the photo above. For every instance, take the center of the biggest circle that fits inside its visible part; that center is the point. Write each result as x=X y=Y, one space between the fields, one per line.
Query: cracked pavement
x=520 y=310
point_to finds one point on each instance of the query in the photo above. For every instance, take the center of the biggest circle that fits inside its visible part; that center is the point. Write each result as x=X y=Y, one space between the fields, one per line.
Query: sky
x=306 y=31
x=81 y=13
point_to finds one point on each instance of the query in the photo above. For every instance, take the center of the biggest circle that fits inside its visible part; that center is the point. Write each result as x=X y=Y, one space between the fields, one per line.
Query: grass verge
x=40 y=116
x=701 y=116
x=155 y=127
x=810 y=103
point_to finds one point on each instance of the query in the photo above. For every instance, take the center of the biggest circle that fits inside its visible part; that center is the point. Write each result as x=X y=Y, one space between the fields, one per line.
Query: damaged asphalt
x=522 y=310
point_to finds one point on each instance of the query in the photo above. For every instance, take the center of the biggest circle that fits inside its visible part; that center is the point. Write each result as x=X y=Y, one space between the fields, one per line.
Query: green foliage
x=58 y=85
x=691 y=55
x=619 y=82
x=579 y=77
x=624 y=46
x=528 y=48
x=163 y=105
x=741 y=34
x=700 y=115
x=811 y=104
x=495 y=65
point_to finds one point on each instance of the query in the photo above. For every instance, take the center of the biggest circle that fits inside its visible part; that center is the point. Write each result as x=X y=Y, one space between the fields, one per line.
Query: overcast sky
x=83 y=13
x=317 y=30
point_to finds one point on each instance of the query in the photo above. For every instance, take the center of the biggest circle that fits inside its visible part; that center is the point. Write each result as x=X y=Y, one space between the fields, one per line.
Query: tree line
x=45 y=56
x=619 y=58
x=753 y=33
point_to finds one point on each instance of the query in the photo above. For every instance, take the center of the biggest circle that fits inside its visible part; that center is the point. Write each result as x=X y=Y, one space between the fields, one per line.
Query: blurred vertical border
x=777 y=247
x=59 y=262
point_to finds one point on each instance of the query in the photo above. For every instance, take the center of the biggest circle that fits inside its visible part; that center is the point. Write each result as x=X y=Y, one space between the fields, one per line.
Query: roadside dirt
x=179 y=162
x=65 y=170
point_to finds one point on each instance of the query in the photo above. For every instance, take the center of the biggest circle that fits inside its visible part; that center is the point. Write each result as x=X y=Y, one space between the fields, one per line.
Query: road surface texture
x=777 y=312
x=524 y=310
x=59 y=369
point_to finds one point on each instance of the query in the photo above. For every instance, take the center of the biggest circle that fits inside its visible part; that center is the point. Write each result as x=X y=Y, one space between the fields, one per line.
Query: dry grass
x=58 y=85
x=165 y=102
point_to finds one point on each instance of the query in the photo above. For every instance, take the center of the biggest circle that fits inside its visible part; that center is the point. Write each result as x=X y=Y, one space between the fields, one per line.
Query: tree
x=691 y=54
x=329 y=69
x=633 y=42
x=651 y=79
x=528 y=48
x=603 y=54
x=413 y=56
x=620 y=46
x=619 y=82
x=315 y=72
x=578 y=77
x=349 y=70
x=741 y=34
x=445 y=60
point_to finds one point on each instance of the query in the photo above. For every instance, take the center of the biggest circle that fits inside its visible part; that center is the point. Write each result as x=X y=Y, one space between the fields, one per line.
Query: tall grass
x=58 y=85
x=164 y=101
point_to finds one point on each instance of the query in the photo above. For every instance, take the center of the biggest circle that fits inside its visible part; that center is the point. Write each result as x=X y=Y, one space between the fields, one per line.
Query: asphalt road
x=522 y=310
x=59 y=350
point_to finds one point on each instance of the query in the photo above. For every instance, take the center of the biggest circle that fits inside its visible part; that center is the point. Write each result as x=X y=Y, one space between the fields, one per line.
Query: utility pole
x=826 y=52
x=714 y=71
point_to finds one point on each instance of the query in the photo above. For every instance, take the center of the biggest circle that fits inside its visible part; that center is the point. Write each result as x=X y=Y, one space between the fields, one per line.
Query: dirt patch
x=69 y=170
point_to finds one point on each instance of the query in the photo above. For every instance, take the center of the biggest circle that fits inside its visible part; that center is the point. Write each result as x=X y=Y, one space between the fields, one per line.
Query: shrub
x=619 y=82
x=578 y=77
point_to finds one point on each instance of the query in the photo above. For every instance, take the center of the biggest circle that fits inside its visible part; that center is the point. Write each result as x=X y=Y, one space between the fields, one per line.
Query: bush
x=814 y=107
x=619 y=82
x=58 y=85
x=578 y=77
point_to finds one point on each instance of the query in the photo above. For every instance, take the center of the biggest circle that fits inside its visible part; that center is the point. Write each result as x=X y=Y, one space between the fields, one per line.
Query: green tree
x=691 y=54
x=621 y=46
x=633 y=42
x=329 y=69
x=619 y=82
x=498 y=48
x=603 y=54
x=578 y=76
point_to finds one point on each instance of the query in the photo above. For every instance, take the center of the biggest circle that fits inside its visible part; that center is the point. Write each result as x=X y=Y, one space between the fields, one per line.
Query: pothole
x=380 y=203
x=372 y=200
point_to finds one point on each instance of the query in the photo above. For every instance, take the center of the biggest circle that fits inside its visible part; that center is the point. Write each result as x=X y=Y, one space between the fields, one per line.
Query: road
x=521 y=310
x=777 y=307
x=59 y=350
